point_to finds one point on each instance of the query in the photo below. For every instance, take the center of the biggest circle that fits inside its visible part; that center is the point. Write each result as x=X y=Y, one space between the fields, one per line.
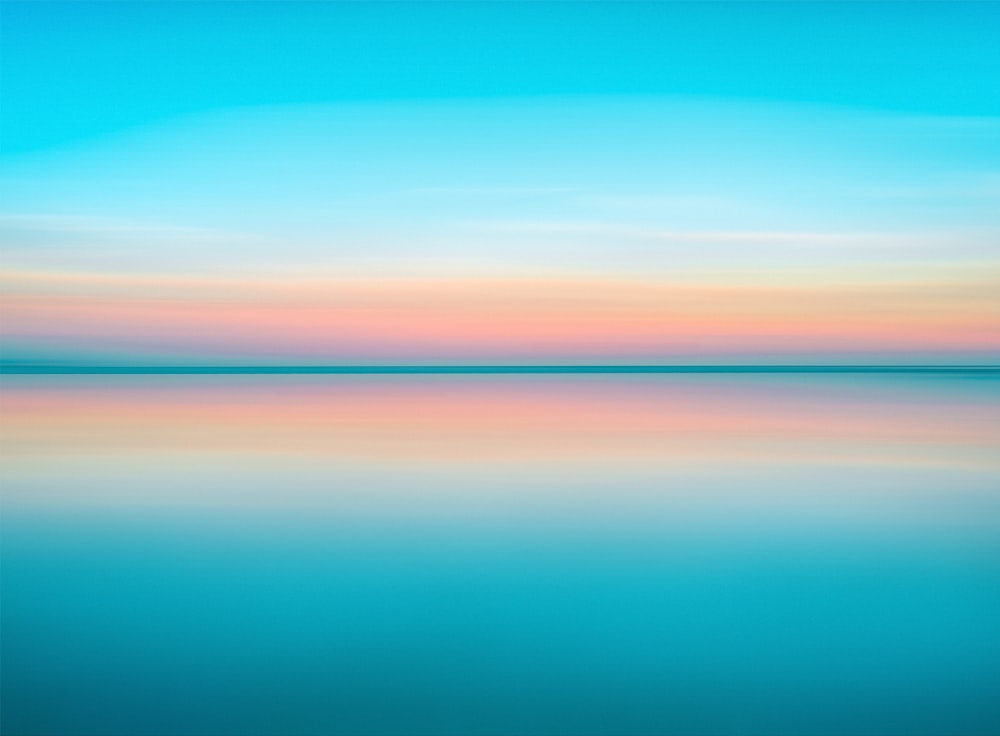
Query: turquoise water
x=765 y=563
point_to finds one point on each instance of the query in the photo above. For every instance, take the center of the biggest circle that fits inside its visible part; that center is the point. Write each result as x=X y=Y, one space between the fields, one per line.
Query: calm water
x=632 y=555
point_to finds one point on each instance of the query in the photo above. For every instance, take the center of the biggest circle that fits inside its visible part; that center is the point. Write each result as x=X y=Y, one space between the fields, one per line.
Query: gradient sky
x=441 y=182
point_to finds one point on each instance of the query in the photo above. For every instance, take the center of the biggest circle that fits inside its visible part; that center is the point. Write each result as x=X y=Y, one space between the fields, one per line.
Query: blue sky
x=835 y=147
x=83 y=69
x=454 y=128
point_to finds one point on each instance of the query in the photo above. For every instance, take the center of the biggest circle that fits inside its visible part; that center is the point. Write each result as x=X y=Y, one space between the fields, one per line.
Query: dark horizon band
x=78 y=369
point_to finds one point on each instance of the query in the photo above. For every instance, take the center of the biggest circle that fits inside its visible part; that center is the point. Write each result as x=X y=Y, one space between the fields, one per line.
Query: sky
x=446 y=182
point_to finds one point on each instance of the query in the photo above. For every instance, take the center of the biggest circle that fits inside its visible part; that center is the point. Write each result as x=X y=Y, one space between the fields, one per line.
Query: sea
x=755 y=553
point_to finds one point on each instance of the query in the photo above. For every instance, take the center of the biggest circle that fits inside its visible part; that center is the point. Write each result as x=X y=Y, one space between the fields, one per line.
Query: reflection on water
x=566 y=555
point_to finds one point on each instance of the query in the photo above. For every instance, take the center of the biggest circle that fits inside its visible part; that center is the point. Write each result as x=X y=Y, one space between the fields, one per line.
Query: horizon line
x=459 y=369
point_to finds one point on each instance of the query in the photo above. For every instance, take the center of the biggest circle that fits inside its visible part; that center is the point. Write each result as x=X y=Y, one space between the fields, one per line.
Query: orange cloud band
x=494 y=318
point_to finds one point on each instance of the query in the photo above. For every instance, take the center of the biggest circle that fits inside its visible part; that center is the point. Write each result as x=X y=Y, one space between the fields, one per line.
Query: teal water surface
x=830 y=586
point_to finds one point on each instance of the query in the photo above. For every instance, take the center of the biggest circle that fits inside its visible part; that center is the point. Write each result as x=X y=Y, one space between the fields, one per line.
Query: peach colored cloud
x=542 y=319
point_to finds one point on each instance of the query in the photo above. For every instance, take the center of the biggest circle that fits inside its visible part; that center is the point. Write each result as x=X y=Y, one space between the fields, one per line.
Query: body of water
x=559 y=555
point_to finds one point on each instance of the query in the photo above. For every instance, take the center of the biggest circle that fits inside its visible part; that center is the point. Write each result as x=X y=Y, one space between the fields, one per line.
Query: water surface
x=574 y=555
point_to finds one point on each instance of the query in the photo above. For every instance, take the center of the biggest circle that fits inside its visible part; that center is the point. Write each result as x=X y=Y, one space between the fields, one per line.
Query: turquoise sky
x=450 y=137
x=76 y=70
